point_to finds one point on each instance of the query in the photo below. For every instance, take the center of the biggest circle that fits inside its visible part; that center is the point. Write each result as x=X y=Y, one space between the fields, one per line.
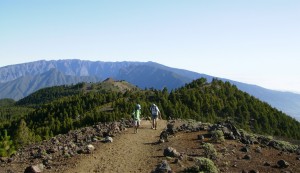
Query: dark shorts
x=154 y=117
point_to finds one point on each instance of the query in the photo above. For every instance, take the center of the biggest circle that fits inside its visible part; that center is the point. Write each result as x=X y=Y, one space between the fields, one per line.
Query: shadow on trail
x=157 y=156
x=151 y=143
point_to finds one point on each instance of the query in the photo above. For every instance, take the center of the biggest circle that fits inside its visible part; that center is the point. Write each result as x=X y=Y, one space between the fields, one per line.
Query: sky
x=251 y=41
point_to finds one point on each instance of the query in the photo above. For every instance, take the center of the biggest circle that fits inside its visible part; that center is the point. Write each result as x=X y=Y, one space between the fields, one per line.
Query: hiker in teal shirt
x=136 y=115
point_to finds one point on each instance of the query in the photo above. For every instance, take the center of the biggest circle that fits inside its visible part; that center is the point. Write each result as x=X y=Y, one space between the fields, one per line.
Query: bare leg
x=135 y=127
x=153 y=123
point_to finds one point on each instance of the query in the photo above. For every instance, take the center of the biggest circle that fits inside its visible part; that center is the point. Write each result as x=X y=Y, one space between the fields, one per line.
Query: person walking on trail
x=154 y=115
x=136 y=115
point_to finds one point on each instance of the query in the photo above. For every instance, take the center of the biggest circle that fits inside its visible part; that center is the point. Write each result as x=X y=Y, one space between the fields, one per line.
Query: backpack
x=154 y=110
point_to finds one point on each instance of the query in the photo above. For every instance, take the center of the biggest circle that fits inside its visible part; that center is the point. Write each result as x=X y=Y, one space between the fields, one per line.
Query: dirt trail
x=129 y=152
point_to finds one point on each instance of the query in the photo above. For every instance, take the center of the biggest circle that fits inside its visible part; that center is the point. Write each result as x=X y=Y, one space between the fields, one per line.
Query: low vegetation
x=210 y=151
x=204 y=165
x=217 y=136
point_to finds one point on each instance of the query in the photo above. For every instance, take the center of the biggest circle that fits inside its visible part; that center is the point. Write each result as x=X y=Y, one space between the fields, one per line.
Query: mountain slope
x=145 y=76
x=25 y=85
x=287 y=102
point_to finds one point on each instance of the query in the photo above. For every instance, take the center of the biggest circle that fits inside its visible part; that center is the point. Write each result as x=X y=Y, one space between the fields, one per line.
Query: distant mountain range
x=20 y=80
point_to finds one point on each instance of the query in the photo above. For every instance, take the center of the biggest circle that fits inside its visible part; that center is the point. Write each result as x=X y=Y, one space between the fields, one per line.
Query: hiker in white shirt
x=155 y=113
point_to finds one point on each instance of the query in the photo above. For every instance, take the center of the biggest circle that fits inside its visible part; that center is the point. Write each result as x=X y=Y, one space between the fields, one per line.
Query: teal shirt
x=137 y=115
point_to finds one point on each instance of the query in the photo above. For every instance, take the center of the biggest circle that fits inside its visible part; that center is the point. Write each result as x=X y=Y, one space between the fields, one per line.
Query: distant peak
x=109 y=80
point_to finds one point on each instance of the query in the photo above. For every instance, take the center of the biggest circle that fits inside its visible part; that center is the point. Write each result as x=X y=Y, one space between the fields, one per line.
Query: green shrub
x=210 y=151
x=193 y=169
x=217 y=136
x=270 y=137
x=206 y=165
x=286 y=146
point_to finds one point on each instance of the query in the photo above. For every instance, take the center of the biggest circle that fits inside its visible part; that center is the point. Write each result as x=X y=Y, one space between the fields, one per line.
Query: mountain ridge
x=143 y=74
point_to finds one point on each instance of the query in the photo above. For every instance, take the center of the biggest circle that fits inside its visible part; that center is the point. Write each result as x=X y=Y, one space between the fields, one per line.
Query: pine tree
x=7 y=147
x=23 y=134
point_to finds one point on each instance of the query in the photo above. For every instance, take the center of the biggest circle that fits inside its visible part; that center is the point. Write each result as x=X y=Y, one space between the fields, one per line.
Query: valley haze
x=19 y=80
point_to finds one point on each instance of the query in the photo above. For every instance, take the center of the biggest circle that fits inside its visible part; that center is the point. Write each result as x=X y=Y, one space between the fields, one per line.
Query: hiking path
x=129 y=152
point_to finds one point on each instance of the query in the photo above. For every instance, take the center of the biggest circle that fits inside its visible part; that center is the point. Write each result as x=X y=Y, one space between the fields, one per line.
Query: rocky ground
x=173 y=147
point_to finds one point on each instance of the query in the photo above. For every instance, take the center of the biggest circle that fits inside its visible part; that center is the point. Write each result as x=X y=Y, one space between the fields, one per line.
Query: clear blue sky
x=253 y=41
